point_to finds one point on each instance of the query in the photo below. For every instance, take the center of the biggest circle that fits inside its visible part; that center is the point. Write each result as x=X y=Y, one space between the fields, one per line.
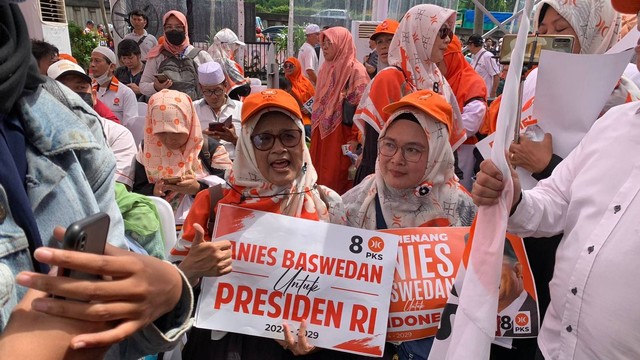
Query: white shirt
x=593 y=196
x=123 y=146
x=120 y=99
x=147 y=44
x=206 y=115
x=308 y=59
x=486 y=66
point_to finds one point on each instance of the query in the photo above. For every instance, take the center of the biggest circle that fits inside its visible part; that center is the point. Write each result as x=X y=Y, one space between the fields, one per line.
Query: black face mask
x=175 y=37
x=87 y=98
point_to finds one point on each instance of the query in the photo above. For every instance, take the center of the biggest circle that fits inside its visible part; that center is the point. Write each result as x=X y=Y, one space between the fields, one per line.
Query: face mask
x=102 y=79
x=87 y=98
x=175 y=37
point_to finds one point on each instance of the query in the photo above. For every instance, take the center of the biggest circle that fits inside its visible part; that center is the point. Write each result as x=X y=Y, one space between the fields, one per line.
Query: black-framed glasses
x=216 y=92
x=410 y=152
x=265 y=141
x=288 y=66
x=445 y=32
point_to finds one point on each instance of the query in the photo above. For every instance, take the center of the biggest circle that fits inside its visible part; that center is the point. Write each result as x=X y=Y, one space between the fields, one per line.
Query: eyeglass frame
x=288 y=65
x=403 y=148
x=216 y=92
x=445 y=32
x=279 y=137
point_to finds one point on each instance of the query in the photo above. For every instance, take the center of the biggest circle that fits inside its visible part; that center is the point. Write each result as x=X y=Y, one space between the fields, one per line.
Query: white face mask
x=102 y=79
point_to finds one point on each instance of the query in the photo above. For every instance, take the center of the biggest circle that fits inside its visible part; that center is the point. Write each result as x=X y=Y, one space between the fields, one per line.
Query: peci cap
x=311 y=29
x=476 y=40
x=66 y=67
x=228 y=36
x=426 y=101
x=272 y=99
x=626 y=6
x=388 y=26
x=210 y=73
x=108 y=53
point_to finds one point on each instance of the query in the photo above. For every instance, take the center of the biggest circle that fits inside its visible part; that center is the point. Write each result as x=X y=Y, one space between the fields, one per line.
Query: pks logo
x=375 y=245
x=522 y=323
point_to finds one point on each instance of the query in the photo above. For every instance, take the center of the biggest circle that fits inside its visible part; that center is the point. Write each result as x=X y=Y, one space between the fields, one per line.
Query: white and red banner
x=287 y=269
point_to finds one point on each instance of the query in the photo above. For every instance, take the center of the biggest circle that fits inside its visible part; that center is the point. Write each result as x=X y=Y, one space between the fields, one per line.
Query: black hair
x=284 y=83
x=128 y=47
x=543 y=12
x=408 y=116
x=138 y=12
x=42 y=49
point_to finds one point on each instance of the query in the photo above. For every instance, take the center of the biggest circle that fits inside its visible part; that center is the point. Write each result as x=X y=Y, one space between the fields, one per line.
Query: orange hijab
x=301 y=87
x=166 y=45
x=464 y=81
x=332 y=80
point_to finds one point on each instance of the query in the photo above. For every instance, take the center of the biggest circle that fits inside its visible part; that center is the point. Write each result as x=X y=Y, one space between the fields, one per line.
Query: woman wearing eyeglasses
x=171 y=56
x=414 y=184
x=272 y=172
x=418 y=45
x=301 y=88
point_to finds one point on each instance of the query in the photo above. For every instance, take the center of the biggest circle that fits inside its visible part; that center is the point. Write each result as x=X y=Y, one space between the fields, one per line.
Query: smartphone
x=561 y=43
x=88 y=235
x=219 y=126
x=172 y=180
x=161 y=77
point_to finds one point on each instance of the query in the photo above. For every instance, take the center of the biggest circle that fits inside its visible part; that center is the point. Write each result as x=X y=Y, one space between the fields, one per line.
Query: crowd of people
x=382 y=142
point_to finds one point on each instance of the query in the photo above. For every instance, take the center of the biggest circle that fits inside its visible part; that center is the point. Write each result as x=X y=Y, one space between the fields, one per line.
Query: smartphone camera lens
x=83 y=242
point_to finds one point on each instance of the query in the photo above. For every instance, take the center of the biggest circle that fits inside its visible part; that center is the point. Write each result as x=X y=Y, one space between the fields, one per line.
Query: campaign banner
x=517 y=314
x=287 y=269
x=428 y=260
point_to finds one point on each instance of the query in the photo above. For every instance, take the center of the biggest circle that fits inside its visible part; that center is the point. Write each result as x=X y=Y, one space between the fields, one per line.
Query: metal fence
x=255 y=58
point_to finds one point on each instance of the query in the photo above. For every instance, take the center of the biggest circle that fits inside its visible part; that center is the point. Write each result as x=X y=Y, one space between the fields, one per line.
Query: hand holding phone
x=172 y=180
x=161 y=77
x=220 y=126
x=88 y=235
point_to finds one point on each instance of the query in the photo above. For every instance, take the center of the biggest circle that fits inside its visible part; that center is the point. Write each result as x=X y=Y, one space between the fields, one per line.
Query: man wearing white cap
x=119 y=98
x=216 y=108
x=119 y=138
x=307 y=53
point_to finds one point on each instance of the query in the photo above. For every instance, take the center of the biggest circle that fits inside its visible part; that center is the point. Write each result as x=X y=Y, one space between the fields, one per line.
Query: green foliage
x=491 y=5
x=280 y=9
x=82 y=44
x=298 y=38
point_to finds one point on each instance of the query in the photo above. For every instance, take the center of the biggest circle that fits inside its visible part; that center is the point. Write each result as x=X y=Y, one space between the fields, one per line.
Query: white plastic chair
x=136 y=126
x=142 y=109
x=167 y=224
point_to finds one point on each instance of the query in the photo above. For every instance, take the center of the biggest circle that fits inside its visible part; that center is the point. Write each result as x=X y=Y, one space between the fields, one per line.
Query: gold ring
x=512 y=155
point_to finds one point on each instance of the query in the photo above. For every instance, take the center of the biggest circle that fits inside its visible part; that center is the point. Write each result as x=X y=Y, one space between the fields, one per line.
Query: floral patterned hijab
x=171 y=111
x=438 y=200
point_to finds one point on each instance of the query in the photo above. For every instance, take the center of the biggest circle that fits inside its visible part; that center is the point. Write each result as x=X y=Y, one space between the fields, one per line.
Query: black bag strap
x=380 y=222
x=141 y=40
x=215 y=194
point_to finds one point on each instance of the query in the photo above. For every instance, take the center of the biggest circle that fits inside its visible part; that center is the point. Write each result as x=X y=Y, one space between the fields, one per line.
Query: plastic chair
x=136 y=126
x=142 y=109
x=167 y=224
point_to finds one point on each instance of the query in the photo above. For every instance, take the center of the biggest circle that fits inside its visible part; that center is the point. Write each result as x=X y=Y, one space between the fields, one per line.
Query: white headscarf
x=595 y=22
